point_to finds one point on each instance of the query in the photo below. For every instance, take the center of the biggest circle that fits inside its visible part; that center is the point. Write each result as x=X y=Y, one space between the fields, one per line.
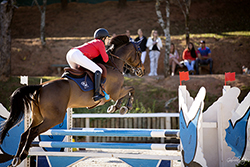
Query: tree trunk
x=6 y=14
x=64 y=4
x=42 y=30
x=185 y=10
x=122 y=3
x=187 y=26
x=166 y=30
x=168 y=40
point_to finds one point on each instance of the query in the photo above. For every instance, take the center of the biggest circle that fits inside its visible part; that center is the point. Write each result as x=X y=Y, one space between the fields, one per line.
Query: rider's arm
x=103 y=53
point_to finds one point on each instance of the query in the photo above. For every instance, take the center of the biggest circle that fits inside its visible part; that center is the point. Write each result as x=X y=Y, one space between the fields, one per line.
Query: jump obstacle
x=58 y=158
x=216 y=137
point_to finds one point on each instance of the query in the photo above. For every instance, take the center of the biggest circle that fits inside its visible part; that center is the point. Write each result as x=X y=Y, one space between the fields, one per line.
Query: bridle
x=134 y=69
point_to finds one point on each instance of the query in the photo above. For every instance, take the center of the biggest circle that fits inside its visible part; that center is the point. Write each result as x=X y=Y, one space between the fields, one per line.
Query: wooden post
x=87 y=126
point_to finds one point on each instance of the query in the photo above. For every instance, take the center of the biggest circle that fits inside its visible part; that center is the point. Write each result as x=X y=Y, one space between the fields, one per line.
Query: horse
x=49 y=101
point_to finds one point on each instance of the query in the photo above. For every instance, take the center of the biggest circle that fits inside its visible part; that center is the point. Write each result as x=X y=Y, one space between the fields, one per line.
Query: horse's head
x=134 y=59
x=129 y=52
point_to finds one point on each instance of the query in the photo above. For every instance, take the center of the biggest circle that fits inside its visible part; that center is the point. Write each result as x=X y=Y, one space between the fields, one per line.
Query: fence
x=139 y=121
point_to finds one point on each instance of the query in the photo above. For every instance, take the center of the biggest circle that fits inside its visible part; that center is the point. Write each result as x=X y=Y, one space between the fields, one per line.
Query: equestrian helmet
x=100 y=33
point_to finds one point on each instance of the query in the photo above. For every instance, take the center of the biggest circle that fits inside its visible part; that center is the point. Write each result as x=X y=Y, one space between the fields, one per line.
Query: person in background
x=143 y=43
x=204 y=57
x=154 y=44
x=174 y=58
x=128 y=34
x=189 y=56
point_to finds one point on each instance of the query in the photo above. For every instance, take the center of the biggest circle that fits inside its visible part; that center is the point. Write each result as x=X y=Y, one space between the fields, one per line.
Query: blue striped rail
x=118 y=132
x=106 y=145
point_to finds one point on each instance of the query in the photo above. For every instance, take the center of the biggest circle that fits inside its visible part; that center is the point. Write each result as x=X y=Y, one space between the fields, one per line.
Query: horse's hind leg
x=22 y=143
x=34 y=132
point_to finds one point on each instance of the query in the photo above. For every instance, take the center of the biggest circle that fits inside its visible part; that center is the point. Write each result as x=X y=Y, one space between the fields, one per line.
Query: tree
x=165 y=28
x=64 y=4
x=122 y=3
x=185 y=10
x=42 y=28
x=6 y=14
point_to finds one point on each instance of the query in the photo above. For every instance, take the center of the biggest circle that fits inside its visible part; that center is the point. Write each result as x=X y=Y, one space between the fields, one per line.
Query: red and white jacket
x=93 y=49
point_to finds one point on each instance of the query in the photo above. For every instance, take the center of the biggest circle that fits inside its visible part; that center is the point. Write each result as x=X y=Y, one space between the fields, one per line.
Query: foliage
x=9 y=86
x=243 y=163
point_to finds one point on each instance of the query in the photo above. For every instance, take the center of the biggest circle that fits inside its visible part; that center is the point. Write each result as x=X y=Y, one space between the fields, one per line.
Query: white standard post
x=24 y=81
x=181 y=94
x=69 y=126
x=87 y=126
x=183 y=90
x=225 y=89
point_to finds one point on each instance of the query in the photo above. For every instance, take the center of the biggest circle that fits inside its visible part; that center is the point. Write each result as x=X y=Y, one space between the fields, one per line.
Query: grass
x=148 y=98
x=212 y=35
x=8 y=87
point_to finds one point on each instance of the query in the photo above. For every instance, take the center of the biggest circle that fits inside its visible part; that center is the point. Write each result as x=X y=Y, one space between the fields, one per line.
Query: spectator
x=154 y=44
x=204 y=57
x=174 y=58
x=128 y=34
x=142 y=44
x=189 y=56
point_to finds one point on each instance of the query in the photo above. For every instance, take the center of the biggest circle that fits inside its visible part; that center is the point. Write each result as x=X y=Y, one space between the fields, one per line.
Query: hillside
x=75 y=25
x=210 y=21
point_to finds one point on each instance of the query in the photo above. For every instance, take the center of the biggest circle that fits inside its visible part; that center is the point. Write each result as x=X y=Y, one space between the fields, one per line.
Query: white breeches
x=75 y=57
x=143 y=56
x=154 y=56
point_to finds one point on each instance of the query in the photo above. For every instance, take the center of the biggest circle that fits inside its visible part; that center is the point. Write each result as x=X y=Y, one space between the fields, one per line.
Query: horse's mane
x=119 y=40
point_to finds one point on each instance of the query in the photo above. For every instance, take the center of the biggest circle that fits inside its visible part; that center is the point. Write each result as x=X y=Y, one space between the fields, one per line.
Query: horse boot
x=97 y=96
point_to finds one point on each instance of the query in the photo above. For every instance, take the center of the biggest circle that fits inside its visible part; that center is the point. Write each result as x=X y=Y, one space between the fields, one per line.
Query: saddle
x=81 y=72
x=83 y=77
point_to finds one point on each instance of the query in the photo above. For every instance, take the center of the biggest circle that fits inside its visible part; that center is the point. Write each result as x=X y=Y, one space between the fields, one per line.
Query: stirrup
x=97 y=97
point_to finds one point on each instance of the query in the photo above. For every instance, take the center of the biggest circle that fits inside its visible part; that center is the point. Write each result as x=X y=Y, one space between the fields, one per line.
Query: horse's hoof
x=123 y=110
x=16 y=161
x=111 y=109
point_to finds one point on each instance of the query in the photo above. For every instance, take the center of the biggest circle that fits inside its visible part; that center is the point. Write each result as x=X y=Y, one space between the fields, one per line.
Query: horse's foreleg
x=130 y=99
x=127 y=90
x=116 y=106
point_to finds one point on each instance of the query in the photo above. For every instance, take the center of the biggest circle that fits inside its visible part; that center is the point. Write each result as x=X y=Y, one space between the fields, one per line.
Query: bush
x=243 y=163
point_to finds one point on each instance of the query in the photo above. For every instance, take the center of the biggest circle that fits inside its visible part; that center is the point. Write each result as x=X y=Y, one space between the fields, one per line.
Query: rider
x=83 y=54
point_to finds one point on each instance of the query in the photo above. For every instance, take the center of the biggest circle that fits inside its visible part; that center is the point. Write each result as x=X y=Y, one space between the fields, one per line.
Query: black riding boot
x=97 y=95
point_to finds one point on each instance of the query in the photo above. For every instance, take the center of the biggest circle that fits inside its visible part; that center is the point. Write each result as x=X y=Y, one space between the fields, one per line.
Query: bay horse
x=50 y=100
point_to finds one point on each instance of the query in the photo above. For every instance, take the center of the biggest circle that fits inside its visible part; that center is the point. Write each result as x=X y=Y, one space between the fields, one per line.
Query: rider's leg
x=74 y=56
x=97 y=96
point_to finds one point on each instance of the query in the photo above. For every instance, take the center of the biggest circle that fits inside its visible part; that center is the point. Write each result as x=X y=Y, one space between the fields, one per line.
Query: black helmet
x=100 y=33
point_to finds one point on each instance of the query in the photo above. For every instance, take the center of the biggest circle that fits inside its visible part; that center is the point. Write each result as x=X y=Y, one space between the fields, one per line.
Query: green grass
x=8 y=87
x=212 y=35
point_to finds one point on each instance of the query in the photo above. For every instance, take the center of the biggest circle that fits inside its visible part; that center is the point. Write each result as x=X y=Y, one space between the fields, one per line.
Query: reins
x=125 y=62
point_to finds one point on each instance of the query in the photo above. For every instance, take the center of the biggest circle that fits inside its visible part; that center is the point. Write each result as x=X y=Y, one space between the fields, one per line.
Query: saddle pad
x=85 y=83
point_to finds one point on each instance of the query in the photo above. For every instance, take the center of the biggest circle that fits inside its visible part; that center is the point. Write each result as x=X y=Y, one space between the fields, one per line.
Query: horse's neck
x=119 y=62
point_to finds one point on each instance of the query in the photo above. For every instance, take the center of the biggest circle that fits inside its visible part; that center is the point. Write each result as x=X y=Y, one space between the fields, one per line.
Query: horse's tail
x=19 y=101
